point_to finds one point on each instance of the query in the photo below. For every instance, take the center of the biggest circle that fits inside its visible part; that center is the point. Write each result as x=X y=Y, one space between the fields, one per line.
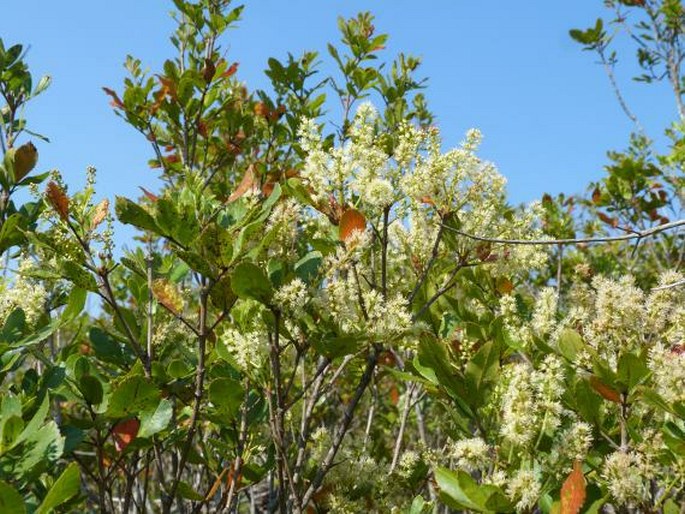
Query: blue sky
x=509 y=68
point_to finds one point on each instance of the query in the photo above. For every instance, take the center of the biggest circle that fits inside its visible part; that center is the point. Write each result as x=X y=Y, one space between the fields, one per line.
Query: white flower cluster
x=619 y=314
x=625 y=477
x=361 y=165
x=471 y=454
x=248 y=348
x=24 y=293
x=387 y=319
x=292 y=297
x=668 y=372
x=545 y=311
x=284 y=223
x=530 y=402
x=524 y=488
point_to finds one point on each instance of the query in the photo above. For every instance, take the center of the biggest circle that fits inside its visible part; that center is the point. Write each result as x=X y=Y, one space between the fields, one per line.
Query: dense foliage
x=339 y=316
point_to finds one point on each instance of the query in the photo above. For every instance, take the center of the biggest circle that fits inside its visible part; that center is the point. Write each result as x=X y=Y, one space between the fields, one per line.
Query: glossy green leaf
x=65 y=487
x=11 y=502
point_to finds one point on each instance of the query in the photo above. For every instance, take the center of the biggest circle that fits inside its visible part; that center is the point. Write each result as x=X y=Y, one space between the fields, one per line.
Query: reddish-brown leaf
x=248 y=183
x=596 y=196
x=209 y=70
x=116 y=101
x=150 y=196
x=351 y=221
x=607 y=219
x=678 y=349
x=504 y=285
x=202 y=128
x=573 y=491
x=268 y=188
x=604 y=390
x=58 y=200
x=124 y=433
x=261 y=109
x=231 y=70
x=215 y=486
x=394 y=395
x=231 y=477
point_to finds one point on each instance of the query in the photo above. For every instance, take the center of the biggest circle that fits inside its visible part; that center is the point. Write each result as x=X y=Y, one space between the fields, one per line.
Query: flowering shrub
x=343 y=322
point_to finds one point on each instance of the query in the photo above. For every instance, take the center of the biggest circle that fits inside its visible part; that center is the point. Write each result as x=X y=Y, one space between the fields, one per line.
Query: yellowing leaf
x=58 y=200
x=25 y=159
x=573 y=491
x=100 y=213
x=167 y=295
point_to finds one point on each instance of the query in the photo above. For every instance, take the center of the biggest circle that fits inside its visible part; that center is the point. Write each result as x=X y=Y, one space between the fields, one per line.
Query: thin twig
x=638 y=234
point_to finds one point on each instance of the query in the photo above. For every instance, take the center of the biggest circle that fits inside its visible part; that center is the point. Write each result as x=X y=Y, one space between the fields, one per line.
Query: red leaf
x=606 y=219
x=231 y=70
x=604 y=390
x=150 y=196
x=116 y=101
x=596 y=196
x=351 y=221
x=573 y=491
x=124 y=433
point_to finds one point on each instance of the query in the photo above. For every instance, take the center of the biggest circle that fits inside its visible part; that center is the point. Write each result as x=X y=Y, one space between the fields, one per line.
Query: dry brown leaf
x=58 y=200
x=247 y=184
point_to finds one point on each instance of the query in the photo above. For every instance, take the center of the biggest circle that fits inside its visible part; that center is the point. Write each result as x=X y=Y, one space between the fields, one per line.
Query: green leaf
x=75 y=304
x=337 y=346
x=249 y=281
x=15 y=326
x=482 y=372
x=307 y=268
x=186 y=491
x=10 y=430
x=569 y=344
x=81 y=277
x=133 y=214
x=226 y=394
x=108 y=349
x=91 y=389
x=11 y=502
x=631 y=371
x=65 y=487
x=154 y=421
x=42 y=448
x=36 y=422
x=420 y=506
x=459 y=491
x=132 y=396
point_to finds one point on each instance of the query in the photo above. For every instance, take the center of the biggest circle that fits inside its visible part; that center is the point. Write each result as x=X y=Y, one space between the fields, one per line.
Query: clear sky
x=509 y=68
